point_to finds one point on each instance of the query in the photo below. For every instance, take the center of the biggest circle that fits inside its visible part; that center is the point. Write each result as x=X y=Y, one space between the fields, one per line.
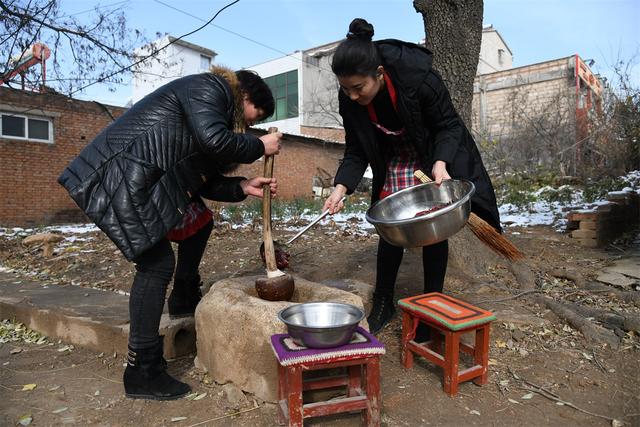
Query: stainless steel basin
x=394 y=217
x=321 y=324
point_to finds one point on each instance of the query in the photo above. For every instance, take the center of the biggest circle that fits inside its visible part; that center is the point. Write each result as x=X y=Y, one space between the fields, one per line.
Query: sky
x=254 y=31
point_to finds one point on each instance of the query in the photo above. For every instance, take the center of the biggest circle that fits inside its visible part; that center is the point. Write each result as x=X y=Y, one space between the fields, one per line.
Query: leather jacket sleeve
x=208 y=105
x=223 y=189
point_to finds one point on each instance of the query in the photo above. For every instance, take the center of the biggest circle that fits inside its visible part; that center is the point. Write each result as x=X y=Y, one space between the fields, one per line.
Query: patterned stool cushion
x=289 y=353
x=446 y=310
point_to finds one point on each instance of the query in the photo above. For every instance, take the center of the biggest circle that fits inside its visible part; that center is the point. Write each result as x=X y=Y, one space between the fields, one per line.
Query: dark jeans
x=434 y=264
x=154 y=270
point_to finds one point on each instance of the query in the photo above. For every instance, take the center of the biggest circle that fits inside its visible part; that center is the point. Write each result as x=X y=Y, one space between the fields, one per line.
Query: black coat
x=136 y=177
x=431 y=124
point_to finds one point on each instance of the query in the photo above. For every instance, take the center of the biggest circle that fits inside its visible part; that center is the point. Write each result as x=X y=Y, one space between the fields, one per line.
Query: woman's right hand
x=334 y=202
x=271 y=143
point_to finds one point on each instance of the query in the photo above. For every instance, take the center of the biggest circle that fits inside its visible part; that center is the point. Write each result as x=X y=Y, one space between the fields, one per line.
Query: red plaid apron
x=404 y=158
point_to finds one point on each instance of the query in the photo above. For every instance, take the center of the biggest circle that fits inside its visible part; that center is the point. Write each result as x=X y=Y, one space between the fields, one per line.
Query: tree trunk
x=453 y=30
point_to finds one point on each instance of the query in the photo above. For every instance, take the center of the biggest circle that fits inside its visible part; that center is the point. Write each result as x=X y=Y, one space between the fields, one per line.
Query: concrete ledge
x=90 y=318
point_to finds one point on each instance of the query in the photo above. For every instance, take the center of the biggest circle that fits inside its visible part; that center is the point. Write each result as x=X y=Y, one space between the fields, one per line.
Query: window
x=17 y=126
x=285 y=92
x=205 y=62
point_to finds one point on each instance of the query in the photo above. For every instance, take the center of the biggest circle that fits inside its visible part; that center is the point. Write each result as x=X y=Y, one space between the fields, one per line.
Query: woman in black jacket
x=398 y=117
x=142 y=179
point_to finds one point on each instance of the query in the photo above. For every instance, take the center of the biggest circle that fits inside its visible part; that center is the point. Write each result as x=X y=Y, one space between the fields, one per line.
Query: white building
x=495 y=55
x=285 y=78
x=178 y=59
x=306 y=89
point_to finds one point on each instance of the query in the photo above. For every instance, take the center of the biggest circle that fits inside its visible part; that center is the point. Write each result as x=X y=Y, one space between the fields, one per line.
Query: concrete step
x=91 y=318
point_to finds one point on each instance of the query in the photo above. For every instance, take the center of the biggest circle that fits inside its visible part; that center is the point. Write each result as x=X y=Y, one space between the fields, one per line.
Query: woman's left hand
x=253 y=186
x=439 y=172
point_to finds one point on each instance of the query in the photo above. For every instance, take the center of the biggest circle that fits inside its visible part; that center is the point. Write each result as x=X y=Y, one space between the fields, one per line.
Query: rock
x=42 y=238
x=484 y=289
x=234 y=395
x=518 y=335
x=234 y=328
x=362 y=289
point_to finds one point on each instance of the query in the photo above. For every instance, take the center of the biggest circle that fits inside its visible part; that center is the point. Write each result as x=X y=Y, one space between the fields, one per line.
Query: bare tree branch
x=97 y=48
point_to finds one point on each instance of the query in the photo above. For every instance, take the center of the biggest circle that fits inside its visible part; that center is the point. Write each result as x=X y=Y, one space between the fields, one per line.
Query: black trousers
x=434 y=264
x=154 y=270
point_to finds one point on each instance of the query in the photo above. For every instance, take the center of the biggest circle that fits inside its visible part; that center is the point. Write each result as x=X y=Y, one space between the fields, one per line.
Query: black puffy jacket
x=431 y=124
x=136 y=177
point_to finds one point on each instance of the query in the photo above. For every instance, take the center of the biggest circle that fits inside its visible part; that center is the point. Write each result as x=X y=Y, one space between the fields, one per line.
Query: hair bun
x=360 y=29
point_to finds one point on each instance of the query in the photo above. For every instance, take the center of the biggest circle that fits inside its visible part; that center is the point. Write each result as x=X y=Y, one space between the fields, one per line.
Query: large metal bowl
x=321 y=324
x=394 y=216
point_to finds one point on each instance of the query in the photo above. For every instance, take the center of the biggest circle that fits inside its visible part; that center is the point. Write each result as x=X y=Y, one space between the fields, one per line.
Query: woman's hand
x=271 y=143
x=334 y=202
x=253 y=186
x=439 y=172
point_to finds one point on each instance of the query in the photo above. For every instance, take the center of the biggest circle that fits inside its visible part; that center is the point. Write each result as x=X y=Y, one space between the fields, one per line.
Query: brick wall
x=599 y=226
x=29 y=192
x=328 y=134
x=297 y=163
x=31 y=196
x=530 y=91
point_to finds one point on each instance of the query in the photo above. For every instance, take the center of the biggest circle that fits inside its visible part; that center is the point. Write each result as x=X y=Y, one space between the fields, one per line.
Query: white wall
x=173 y=62
x=279 y=66
x=494 y=53
x=320 y=94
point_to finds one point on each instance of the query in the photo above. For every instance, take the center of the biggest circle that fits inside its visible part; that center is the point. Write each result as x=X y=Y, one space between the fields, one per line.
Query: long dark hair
x=357 y=55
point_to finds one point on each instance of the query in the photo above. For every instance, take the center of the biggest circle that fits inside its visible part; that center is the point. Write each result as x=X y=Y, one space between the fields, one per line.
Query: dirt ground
x=542 y=371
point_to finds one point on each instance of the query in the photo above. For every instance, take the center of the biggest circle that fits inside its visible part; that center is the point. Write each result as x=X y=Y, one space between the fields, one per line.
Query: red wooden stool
x=449 y=317
x=361 y=357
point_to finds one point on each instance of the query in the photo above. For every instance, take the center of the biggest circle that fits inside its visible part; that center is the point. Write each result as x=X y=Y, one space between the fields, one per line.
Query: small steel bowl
x=321 y=324
x=394 y=217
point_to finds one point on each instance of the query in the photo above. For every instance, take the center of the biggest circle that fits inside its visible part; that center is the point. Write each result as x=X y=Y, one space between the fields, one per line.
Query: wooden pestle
x=277 y=286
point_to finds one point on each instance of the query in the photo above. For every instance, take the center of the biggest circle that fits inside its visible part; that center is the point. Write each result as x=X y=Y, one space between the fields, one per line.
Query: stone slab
x=615 y=279
x=627 y=266
x=584 y=234
x=91 y=318
x=234 y=329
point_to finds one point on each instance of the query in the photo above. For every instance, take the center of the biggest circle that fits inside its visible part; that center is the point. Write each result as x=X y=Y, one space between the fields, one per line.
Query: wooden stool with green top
x=449 y=317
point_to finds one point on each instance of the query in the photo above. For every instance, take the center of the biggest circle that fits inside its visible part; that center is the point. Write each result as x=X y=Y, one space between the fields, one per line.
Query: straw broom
x=485 y=232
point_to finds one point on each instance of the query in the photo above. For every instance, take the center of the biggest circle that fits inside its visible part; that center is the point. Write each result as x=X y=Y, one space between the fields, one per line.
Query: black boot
x=145 y=376
x=423 y=333
x=184 y=297
x=381 y=313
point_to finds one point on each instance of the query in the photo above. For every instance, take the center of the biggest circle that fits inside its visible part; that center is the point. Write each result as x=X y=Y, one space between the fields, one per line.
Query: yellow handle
x=421 y=176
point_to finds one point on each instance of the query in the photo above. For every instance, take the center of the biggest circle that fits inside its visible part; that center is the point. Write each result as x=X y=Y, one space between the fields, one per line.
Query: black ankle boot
x=382 y=312
x=184 y=297
x=423 y=333
x=145 y=376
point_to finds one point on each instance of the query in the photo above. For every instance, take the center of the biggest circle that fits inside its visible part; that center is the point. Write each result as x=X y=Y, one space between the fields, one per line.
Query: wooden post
x=451 y=358
x=269 y=250
x=371 y=415
x=481 y=353
x=407 y=335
